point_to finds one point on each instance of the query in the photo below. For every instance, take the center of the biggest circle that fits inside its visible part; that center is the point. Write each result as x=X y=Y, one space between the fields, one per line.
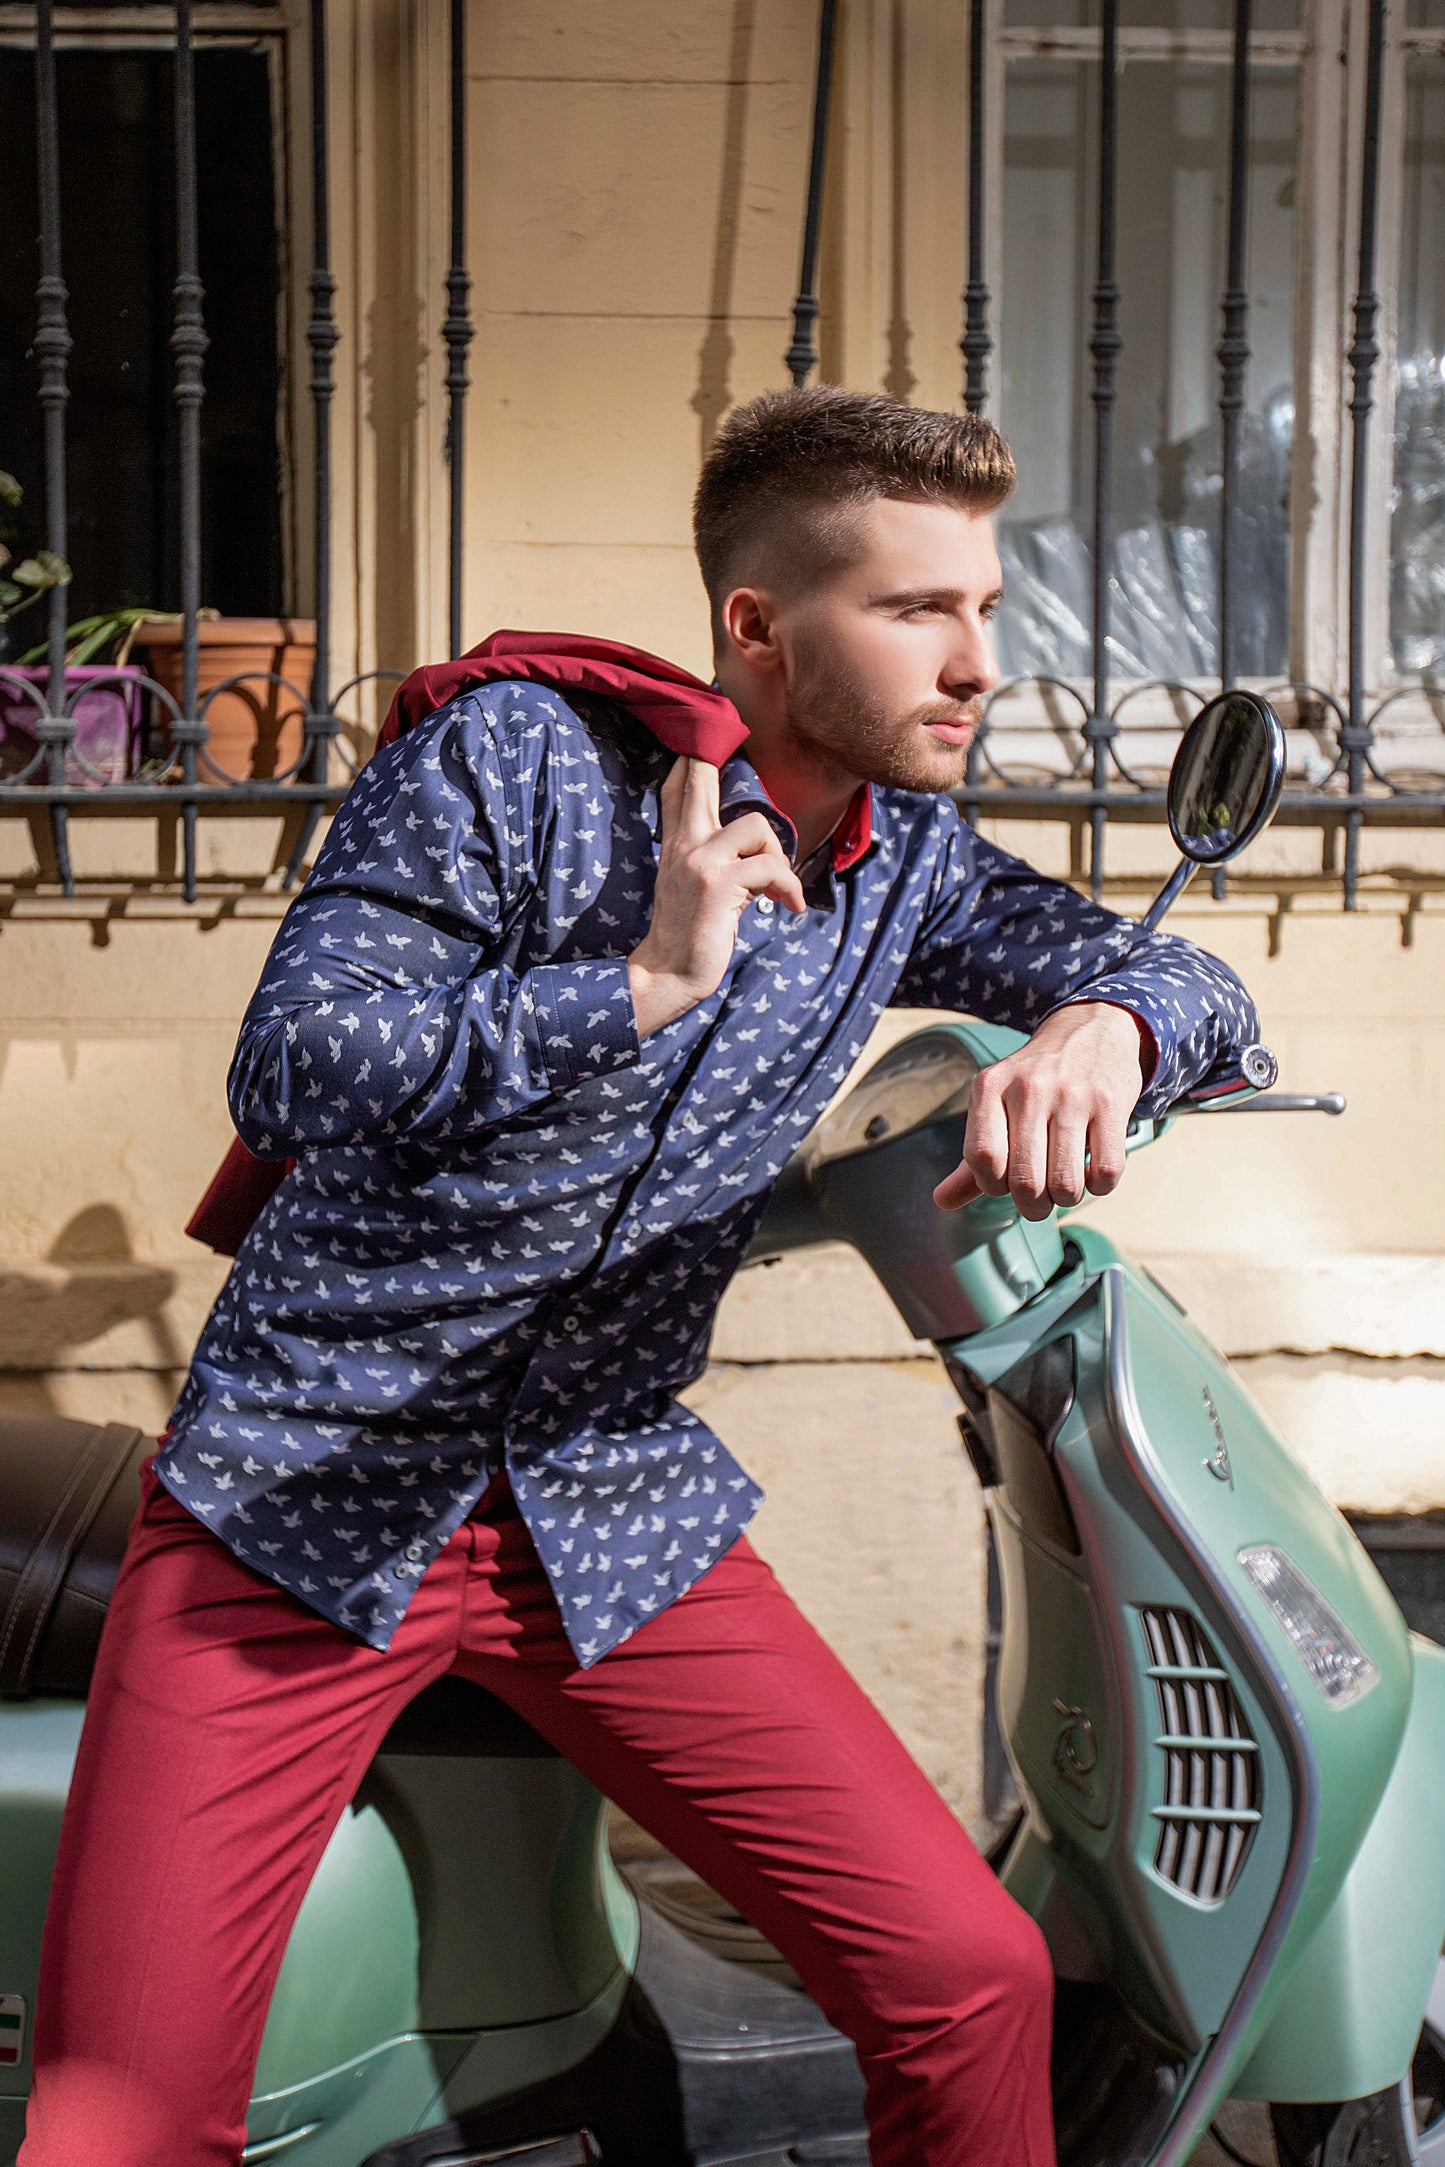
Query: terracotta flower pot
x=255 y=726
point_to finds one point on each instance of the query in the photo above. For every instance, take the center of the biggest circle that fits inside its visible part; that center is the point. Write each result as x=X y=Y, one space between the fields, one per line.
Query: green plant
x=24 y=583
x=90 y=638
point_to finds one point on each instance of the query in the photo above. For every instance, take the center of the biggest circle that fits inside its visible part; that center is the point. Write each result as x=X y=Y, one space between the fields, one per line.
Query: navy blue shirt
x=511 y=1220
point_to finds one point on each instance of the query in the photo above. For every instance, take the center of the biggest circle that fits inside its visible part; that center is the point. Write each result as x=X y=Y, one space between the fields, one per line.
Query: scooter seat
x=68 y=1493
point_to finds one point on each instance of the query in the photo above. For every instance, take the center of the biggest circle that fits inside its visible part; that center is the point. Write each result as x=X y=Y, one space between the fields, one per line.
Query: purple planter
x=107 y=720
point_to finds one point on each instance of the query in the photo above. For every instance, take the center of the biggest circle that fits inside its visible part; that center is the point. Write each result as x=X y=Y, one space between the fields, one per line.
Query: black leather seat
x=68 y=1493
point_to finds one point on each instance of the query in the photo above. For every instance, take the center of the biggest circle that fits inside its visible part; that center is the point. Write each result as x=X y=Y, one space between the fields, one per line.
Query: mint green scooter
x=1228 y=1749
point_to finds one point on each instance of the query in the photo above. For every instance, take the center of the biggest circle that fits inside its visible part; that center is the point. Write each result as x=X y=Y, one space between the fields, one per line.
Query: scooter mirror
x=1224 y=786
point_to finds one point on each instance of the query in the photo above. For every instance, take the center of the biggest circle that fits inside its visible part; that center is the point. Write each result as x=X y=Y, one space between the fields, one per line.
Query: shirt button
x=570 y=1324
x=765 y=905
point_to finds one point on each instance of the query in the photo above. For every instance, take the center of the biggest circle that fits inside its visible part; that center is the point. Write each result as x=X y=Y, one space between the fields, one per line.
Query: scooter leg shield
x=1346 y=2021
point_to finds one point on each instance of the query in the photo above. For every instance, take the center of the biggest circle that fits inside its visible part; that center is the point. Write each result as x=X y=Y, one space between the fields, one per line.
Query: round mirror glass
x=1226 y=778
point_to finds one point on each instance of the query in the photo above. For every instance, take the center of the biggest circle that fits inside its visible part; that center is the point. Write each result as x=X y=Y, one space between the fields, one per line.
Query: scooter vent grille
x=1210 y=1808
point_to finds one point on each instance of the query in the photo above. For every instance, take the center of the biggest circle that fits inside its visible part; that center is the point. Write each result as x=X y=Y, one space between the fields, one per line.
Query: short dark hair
x=779 y=491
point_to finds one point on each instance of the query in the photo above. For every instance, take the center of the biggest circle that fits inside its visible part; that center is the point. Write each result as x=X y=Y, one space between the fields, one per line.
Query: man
x=536 y=1038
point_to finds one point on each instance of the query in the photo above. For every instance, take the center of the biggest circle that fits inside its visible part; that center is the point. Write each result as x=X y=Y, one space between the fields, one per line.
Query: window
x=1174 y=95
x=1417 y=526
x=117 y=168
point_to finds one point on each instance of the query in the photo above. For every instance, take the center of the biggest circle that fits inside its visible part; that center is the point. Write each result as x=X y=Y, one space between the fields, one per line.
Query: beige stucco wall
x=1311 y=1249
x=636 y=192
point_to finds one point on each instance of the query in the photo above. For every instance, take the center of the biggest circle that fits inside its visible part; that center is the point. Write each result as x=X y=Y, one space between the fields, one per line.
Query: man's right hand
x=707 y=874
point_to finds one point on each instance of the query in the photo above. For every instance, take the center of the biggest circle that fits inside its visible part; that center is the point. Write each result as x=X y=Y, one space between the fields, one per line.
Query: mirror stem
x=1170 y=893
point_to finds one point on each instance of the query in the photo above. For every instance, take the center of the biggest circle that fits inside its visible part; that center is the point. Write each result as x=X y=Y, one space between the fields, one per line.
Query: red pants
x=228 y=1726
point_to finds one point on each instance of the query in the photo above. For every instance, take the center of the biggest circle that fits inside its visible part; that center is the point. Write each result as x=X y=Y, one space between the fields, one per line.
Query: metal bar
x=1269 y=1102
x=1233 y=357
x=1169 y=894
x=1301 y=808
x=52 y=349
x=1184 y=1742
x=976 y=344
x=1215 y=1816
x=188 y=345
x=1233 y=349
x=1105 y=346
x=167 y=797
x=457 y=329
x=323 y=337
x=802 y=355
x=1357 y=736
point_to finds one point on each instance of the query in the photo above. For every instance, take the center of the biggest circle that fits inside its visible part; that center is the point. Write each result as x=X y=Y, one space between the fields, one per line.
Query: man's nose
x=971 y=668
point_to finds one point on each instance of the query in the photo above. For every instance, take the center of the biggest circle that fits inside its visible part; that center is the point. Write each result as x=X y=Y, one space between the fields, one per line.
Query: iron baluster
x=1233 y=349
x=976 y=344
x=52 y=349
x=457 y=329
x=1357 y=736
x=1233 y=357
x=1105 y=346
x=323 y=337
x=188 y=345
x=802 y=355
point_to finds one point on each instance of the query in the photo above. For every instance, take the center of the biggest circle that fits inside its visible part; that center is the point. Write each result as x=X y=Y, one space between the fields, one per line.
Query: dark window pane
x=117 y=160
x=1172 y=232
x=1417 y=527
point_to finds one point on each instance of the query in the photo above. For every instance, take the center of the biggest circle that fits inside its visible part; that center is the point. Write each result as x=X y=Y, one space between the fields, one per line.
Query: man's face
x=885 y=664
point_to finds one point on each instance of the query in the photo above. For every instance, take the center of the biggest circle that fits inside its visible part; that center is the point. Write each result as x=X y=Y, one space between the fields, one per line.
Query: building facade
x=590 y=220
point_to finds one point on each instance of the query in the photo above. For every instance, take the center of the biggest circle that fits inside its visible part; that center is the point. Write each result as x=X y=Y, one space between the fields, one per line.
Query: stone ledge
x=824 y=1305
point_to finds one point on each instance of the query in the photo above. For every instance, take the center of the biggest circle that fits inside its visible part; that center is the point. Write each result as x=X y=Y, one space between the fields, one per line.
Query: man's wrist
x=658 y=997
x=1145 y=1043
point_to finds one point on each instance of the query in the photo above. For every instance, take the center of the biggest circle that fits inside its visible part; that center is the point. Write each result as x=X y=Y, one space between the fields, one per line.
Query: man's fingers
x=1026 y=1106
x=1106 y=1152
x=957 y=1189
x=669 y=797
x=1067 y=1131
x=986 y=1145
x=699 y=816
x=767 y=872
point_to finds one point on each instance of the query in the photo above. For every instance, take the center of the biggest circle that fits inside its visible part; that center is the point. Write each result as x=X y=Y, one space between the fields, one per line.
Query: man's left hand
x=1033 y=1117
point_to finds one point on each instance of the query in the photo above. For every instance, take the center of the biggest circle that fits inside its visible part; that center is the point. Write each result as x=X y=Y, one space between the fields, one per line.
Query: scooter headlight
x=916 y=1081
x=1324 y=1644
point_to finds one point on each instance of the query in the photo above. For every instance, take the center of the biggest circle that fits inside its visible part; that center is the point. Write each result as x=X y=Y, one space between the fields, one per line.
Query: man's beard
x=843 y=728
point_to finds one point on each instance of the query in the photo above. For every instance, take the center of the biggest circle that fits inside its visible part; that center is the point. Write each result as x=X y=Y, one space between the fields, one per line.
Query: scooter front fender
x=1348 y=2016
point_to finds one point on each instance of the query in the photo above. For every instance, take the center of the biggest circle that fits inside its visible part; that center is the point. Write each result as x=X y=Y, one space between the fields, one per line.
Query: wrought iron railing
x=184 y=775
x=1340 y=781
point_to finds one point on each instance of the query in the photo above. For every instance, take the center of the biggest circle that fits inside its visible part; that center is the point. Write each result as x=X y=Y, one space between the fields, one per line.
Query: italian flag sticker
x=12 y=2027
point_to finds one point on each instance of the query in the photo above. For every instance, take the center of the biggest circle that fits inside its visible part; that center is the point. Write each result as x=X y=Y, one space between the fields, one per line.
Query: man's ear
x=750 y=630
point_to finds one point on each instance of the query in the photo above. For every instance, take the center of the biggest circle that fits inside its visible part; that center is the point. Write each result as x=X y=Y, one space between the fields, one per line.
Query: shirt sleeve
x=387 y=1008
x=1002 y=942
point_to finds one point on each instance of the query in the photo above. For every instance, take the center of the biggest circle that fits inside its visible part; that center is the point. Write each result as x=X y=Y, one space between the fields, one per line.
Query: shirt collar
x=740 y=790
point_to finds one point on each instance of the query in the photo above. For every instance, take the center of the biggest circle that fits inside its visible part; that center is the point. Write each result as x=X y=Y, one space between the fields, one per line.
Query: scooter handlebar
x=1268 y=1102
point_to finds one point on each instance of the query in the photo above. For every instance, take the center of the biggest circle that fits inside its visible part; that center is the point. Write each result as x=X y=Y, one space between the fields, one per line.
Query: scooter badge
x=12 y=2028
x=1076 y=1749
x=1219 y=1465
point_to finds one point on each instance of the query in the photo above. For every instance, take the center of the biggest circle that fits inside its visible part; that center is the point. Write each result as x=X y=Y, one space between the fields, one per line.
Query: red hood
x=682 y=712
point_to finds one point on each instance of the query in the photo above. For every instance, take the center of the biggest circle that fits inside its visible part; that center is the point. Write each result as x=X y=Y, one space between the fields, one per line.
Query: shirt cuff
x=586 y=1022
